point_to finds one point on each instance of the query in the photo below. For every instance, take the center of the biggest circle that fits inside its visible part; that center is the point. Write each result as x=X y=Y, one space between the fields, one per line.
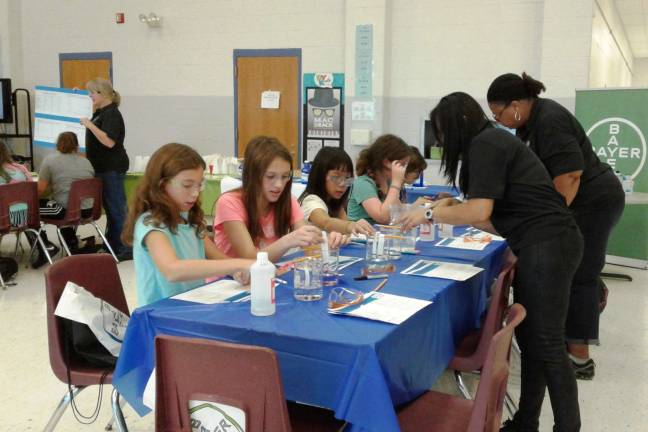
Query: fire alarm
x=119 y=17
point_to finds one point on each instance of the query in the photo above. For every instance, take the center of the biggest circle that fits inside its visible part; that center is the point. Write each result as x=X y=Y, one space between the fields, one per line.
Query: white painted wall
x=176 y=81
x=640 y=71
x=611 y=62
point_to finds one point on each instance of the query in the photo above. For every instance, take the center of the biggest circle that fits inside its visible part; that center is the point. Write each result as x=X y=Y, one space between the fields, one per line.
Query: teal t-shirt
x=363 y=188
x=151 y=283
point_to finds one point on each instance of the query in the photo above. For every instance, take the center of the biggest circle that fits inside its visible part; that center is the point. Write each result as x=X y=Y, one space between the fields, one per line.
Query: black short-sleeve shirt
x=103 y=158
x=556 y=136
x=527 y=208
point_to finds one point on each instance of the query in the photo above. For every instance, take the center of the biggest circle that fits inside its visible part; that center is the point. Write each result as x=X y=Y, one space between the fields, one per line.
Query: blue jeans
x=114 y=203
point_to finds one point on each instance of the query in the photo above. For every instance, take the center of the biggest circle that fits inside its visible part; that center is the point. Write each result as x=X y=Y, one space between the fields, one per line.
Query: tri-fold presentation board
x=60 y=110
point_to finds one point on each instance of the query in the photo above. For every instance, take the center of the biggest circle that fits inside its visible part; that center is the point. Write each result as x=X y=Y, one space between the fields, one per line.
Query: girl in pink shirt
x=263 y=214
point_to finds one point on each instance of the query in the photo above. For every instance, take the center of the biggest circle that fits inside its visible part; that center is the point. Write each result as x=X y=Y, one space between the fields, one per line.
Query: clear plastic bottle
x=262 y=290
x=305 y=171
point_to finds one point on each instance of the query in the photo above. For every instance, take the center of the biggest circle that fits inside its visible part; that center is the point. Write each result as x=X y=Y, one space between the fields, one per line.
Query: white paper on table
x=389 y=308
x=270 y=99
x=442 y=270
x=478 y=234
x=221 y=291
x=461 y=243
x=346 y=261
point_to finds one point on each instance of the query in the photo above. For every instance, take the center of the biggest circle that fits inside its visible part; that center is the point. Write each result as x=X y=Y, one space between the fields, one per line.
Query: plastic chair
x=20 y=193
x=83 y=270
x=441 y=412
x=242 y=376
x=81 y=190
x=470 y=355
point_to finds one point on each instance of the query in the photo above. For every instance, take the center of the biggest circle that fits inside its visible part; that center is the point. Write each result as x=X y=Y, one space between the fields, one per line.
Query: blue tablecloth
x=358 y=368
x=414 y=192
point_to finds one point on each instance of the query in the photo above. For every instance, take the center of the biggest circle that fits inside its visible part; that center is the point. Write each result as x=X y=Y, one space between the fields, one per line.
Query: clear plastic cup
x=330 y=276
x=307 y=279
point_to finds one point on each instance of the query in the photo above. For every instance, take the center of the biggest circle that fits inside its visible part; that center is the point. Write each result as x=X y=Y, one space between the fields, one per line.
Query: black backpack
x=8 y=268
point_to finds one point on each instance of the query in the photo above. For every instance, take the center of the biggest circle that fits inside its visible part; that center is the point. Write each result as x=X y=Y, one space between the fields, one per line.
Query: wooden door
x=77 y=71
x=253 y=76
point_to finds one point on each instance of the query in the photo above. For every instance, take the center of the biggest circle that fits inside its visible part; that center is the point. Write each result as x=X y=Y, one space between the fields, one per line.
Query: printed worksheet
x=442 y=270
x=389 y=308
x=221 y=291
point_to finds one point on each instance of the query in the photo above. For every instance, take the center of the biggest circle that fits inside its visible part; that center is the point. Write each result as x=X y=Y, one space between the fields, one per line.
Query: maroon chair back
x=15 y=193
x=486 y=414
x=98 y=274
x=244 y=376
x=79 y=191
x=493 y=321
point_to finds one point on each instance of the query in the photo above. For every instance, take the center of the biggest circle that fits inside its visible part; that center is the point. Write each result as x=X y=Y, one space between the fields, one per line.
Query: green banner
x=616 y=121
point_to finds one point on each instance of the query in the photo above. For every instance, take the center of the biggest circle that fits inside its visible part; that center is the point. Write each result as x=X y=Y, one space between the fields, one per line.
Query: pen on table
x=380 y=286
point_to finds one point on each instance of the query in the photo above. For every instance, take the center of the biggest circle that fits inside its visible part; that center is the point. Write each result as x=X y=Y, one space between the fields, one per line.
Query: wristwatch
x=429 y=215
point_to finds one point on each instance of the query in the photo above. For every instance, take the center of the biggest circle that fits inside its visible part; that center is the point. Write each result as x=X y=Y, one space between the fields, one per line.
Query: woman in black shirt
x=590 y=188
x=105 y=150
x=510 y=192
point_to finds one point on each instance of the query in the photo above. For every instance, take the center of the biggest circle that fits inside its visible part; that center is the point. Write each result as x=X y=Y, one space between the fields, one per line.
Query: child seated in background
x=415 y=168
x=263 y=214
x=166 y=227
x=381 y=169
x=324 y=200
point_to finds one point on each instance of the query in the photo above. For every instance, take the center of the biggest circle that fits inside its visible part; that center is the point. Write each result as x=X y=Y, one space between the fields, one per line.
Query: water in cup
x=330 y=264
x=307 y=279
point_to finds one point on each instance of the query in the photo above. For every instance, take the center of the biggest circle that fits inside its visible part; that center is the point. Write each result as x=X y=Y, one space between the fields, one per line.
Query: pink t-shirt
x=230 y=207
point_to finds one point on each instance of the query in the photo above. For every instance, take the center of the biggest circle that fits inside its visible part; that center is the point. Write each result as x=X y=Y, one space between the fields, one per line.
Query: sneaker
x=41 y=258
x=508 y=426
x=125 y=255
x=584 y=371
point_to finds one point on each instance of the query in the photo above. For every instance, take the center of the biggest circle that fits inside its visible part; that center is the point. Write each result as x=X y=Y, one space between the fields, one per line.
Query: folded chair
x=440 y=412
x=22 y=220
x=471 y=352
x=81 y=190
x=240 y=376
x=97 y=273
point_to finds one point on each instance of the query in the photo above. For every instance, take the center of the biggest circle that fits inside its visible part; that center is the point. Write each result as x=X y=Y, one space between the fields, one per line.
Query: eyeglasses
x=327 y=112
x=189 y=185
x=498 y=116
x=283 y=179
x=341 y=297
x=341 y=180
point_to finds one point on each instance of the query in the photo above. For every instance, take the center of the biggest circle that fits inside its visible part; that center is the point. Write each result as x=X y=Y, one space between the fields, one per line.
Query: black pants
x=52 y=210
x=542 y=285
x=596 y=210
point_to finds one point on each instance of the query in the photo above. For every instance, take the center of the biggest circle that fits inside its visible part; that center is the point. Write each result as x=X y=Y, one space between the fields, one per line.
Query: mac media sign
x=619 y=143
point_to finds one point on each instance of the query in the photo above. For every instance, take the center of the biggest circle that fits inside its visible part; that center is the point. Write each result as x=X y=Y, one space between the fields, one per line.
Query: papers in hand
x=383 y=307
x=221 y=291
x=442 y=270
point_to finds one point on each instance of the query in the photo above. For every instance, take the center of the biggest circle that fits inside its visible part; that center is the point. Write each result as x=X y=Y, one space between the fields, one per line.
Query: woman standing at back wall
x=590 y=188
x=105 y=150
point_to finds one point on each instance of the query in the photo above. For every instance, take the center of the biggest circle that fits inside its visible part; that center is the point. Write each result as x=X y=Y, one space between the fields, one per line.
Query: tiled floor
x=616 y=400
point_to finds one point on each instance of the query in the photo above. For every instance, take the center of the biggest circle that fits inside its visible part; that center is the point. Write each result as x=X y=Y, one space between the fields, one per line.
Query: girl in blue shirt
x=166 y=227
